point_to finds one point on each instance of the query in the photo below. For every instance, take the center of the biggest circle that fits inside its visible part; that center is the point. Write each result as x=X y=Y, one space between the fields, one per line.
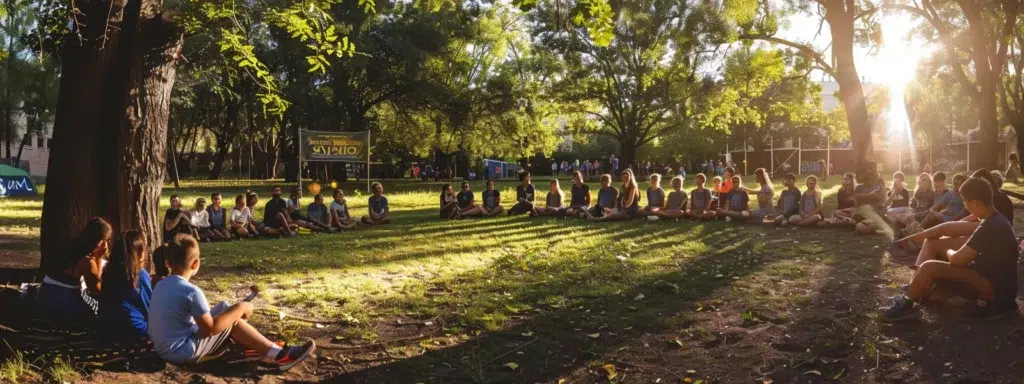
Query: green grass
x=562 y=280
x=17 y=369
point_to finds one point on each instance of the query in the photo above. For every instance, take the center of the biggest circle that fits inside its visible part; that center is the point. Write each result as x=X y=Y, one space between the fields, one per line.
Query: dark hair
x=214 y=195
x=700 y=175
x=987 y=175
x=178 y=249
x=239 y=197
x=959 y=176
x=522 y=176
x=445 y=187
x=465 y=183
x=250 y=196
x=173 y=197
x=1012 y=156
x=125 y=260
x=96 y=230
x=939 y=176
x=337 y=191
x=977 y=189
x=374 y=185
x=790 y=177
x=730 y=170
x=318 y=196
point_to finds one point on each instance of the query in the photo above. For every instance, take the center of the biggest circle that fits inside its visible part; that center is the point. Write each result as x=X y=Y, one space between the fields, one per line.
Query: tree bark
x=851 y=91
x=109 y=134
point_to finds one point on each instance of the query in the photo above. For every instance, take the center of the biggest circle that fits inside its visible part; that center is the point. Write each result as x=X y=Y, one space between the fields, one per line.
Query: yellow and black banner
x=334 y=146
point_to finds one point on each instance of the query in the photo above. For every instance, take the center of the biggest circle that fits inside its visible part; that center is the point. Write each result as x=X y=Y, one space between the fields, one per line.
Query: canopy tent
x=15 y=182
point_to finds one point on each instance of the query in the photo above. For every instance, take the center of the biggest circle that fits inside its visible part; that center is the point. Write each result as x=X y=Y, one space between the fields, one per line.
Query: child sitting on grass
x=241 y=220
x=736 y=203
x=275 y=216
x=717 y=194
x=765 y=194
x=177 y=221
x=492 y=200
x=218 y=218
x=580 y=199
x=200 y=220
x=553 y=202
x=379 y=211
x=184 y=328
x=467 y=202
x=789 y=202
x=701 y=200
x=449 y=204
x=606 y=198
x=69 y=288
x=655 y=195
x=987 y=262
x=898 y=202
x=293 y=209
x=810 y=205
x=318 y=214
x=127 y=288
x=629 y=200
x=340 y=218
x=845 y=202
x=870 y=197
x=251 y=200
x=524 y=196
x=675 y=205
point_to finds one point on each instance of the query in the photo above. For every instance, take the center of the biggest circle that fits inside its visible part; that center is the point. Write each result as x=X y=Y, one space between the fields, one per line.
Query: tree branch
x=947 y=43
x=806 y=49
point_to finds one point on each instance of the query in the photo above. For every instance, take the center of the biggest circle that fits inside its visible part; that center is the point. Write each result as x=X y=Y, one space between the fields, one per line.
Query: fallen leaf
x=319 y=326
x=698 y=382
x=818 y=373
x=676 y=342
x=511 y=365
x=428 y=323
x=719 y=276
x=692 y=372
x=281 y=315
x=610 y=368
x=687 y=380
x=593 y=335
x=639 y=297
x=527 y=334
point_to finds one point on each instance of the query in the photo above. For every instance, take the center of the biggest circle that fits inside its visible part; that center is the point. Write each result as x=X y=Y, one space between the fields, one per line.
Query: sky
x=897 y=58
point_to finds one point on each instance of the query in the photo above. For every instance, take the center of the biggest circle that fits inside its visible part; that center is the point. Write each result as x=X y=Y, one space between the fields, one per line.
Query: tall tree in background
x=16 y=18
x=1011 y=86
x=976 y=36
x=850 y=22
x=643 y=81
x=766 y=95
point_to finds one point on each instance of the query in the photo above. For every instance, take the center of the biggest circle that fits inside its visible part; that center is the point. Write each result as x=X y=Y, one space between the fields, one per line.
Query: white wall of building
x=36 y=151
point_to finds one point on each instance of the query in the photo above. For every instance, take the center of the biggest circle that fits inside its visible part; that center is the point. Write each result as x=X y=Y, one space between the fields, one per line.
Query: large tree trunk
x=988 y=116
x=218 y=157
x=21 y=148
x=109 y=134
x=851 y=92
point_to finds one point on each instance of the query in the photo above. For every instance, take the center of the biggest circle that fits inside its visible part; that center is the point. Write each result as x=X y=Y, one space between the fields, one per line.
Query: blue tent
x=15 y=182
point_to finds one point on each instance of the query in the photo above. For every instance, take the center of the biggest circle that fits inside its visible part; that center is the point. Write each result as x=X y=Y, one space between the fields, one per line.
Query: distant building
x=35 y=156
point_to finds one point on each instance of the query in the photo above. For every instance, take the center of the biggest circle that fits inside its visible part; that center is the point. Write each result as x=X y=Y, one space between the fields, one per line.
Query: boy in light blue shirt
x=184 y=329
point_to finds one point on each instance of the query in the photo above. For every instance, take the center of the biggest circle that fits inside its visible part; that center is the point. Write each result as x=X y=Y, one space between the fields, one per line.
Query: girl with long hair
x=127 y=287
x=629 y=200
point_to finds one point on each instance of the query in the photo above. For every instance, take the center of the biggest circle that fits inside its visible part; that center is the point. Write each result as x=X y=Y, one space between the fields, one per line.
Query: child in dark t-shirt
x=580 y=199
x=607 y=197
x=789 y=201
x=736 y=202
x=700 y=200
x=379 y=211
x=987 y=262
x=524 y=196
x=467 y=202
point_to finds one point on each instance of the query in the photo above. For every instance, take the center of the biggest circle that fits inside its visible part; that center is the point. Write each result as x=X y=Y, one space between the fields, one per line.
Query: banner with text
x=334 y=146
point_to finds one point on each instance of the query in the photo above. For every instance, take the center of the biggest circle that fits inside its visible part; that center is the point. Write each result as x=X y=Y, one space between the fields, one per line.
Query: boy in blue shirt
x=184 y=329
x=378 y=206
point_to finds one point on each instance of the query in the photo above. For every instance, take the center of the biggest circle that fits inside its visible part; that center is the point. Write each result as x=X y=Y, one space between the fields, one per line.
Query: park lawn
x=517 y=299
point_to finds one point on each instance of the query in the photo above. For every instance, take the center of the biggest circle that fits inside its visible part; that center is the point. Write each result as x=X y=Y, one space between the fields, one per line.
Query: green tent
x=15 y=182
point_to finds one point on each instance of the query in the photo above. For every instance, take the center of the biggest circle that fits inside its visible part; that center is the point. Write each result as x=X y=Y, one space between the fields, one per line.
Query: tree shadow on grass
x=572 y=317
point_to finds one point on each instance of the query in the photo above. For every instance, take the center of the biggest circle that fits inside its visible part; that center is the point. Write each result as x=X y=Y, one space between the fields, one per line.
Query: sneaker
x=253 y=355
x=985 y=309
x=295 y=355
x=901 y=310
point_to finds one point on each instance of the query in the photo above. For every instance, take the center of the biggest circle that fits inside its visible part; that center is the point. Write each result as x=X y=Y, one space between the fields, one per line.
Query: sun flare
x=900 y=56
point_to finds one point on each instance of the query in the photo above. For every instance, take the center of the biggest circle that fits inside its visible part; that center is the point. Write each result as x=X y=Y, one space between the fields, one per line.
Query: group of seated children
x=728 y=200
x=128 y=305
x=281 y=217
x=970 y=249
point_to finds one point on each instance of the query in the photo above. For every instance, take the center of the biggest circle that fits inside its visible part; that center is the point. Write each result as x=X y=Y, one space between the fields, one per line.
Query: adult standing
x=823 y=169
x=576 y=164
x=615 y=164
x=554 y=168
